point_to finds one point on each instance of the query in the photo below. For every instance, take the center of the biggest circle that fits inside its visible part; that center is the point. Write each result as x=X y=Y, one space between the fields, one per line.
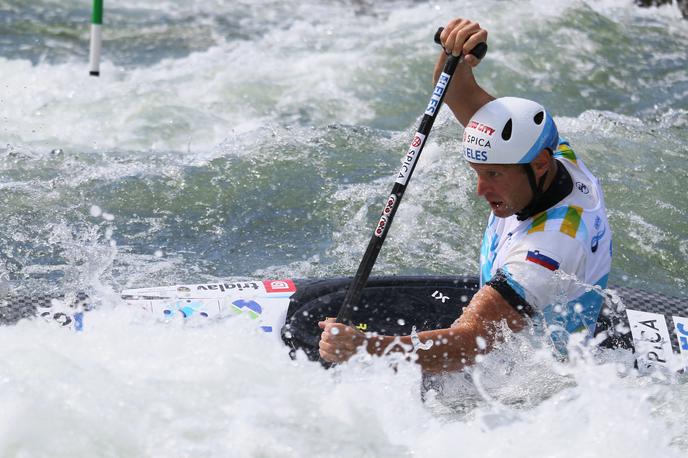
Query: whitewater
x=257 y=139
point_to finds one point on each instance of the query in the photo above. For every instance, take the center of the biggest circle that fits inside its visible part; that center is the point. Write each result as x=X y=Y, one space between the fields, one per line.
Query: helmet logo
x=472 y=139
x=475 y=155
x=509 y=130
x=480 y=127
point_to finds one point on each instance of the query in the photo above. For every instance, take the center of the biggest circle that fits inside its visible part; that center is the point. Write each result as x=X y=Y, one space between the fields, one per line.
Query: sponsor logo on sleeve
x=596 y=239
x=650 y=337
x=582 y=187
x=542 y=260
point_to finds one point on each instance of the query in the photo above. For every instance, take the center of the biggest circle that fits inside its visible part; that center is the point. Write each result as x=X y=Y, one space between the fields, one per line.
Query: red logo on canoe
x=279 y=286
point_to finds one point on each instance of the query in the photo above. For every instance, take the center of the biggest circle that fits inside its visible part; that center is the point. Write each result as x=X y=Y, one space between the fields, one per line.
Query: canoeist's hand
x=461 y=36
x=464 y=96
x=338 y=342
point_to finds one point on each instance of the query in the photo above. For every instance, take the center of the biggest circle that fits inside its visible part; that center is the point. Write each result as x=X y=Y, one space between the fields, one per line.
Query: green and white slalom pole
x=96 y=38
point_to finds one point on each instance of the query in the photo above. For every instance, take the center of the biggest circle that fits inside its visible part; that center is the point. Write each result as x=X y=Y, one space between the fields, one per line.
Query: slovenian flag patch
x=541 y=259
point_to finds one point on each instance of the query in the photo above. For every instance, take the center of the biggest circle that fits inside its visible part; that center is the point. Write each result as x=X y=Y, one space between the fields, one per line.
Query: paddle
x=355 y=291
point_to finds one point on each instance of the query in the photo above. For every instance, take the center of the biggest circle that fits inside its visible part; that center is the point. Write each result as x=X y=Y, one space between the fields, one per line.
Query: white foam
x=128 y=386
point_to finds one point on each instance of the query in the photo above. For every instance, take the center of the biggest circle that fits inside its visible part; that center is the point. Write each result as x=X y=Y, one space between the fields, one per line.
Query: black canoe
x=652 y=324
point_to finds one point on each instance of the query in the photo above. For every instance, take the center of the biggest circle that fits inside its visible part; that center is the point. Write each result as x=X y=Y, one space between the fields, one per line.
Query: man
x=547 y=239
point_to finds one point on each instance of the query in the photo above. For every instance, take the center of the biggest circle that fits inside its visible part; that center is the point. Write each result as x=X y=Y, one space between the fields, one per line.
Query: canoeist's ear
x=541 y=163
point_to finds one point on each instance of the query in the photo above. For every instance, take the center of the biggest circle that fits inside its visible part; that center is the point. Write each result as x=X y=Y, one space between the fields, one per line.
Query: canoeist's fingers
x=333 y=353
x=474 y=40
x=462 y=36
x=341 y=336
x=449 y=35
x=321 y=324
x=451 y=26
x=338 y=342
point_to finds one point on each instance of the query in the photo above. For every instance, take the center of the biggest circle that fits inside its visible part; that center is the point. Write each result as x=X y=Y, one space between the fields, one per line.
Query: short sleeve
x=545 y=267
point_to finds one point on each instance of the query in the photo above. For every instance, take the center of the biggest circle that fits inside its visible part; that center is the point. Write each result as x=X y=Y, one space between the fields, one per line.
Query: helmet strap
x=536 y=187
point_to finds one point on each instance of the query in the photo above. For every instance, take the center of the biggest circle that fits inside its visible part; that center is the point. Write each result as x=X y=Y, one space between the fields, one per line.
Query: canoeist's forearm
x=452 y=348
x=464 y=96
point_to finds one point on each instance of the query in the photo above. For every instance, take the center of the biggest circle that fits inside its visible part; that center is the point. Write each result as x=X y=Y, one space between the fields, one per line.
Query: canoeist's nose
x=482 y=187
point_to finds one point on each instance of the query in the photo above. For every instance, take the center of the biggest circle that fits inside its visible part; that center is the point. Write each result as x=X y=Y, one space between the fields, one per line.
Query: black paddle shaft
x=408 y=165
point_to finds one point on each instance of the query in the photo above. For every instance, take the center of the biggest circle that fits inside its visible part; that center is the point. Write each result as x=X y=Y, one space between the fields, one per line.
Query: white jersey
x=552 y=259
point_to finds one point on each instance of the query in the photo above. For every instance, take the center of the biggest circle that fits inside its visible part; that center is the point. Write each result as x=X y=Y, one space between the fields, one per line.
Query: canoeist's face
x=504 y=186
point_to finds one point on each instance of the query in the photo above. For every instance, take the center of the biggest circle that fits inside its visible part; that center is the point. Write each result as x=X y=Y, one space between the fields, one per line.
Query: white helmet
x=509 y=130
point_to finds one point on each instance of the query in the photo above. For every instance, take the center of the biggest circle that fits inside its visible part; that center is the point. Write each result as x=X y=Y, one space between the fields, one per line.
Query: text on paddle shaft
x=410 y=158
x=384 y=218
x=436 y=97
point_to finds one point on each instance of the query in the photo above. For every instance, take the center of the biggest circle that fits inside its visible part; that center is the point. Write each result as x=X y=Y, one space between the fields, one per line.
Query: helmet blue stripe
x=549 y=138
